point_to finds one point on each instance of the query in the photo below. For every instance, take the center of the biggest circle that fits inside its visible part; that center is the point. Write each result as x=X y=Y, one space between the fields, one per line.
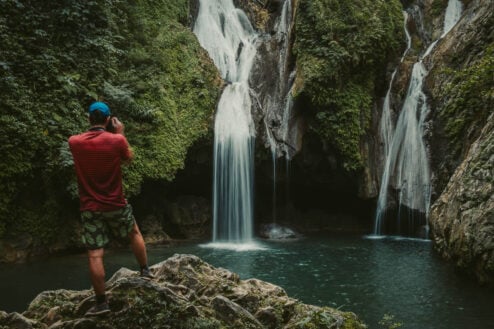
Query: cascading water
x=406 y=168
x=452 y=16
x=228 y=36
x=272 y=146
x=386 y=124
x=387 y=132
x=281 y=98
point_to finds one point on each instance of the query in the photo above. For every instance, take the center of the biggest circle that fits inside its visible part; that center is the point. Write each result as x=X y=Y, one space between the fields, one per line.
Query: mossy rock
x=186 y=293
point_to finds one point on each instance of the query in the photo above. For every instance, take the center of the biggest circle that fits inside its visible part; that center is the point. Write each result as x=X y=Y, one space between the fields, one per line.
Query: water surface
x=370 y=277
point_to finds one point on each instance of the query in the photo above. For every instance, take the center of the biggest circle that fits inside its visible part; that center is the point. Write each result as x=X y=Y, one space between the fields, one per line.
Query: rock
x=152 y=230
x=267 y=316
x=187 y=293
x=17 y=321
x=463 y=47
x=277 y=232
x=462 y=148
x=189 y=217
x=14 y=249
x=233 y=313
x=462 y=219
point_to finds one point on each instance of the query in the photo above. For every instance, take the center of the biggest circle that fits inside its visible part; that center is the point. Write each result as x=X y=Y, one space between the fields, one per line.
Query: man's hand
x=117 y=125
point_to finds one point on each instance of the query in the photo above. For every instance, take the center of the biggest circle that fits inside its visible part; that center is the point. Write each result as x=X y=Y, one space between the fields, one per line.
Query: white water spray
x=228 y=36
x=407 y=166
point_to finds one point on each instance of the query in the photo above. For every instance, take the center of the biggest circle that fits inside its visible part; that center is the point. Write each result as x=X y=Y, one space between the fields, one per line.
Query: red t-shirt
x=97 y=158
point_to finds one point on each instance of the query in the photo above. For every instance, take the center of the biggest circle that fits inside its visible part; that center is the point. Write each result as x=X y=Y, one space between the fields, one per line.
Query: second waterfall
x=228 y=36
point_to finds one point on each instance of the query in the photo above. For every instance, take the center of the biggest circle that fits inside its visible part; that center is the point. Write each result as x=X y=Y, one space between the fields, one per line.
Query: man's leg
x=126 y=223
x=97 y=274
x=138 y=246
x=97 y=271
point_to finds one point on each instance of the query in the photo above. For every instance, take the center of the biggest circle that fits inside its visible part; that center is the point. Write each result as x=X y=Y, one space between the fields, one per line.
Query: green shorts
x=98 y=226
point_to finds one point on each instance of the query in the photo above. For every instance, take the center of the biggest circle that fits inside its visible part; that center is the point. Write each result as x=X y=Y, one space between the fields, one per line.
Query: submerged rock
x=187 y=293
x=277 y=232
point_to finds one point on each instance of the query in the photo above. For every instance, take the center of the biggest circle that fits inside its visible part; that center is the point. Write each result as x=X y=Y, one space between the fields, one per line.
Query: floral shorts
x=99 y=226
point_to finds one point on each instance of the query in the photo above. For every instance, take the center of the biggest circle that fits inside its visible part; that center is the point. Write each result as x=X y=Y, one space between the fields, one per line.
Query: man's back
x=97 y=158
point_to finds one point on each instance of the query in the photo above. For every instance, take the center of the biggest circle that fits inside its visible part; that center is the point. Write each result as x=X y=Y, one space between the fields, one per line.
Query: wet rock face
x=189 y=217
x=462 y=147
x=462 y=219
x=464 y=46
x=187 y=293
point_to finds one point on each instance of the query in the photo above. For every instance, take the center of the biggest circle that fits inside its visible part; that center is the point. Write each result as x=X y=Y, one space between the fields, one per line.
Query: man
x=98 y=155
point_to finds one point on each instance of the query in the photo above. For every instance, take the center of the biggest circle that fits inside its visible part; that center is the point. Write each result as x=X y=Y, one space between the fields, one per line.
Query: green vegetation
x=388 y=322
x=342 y=49
x=56 y=58
x=470 y=96
x=316 y=319
x=438 y=7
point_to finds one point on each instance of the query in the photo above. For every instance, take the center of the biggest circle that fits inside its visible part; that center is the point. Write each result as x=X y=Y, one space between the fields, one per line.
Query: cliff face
x=342 y=51
x=462 y=219
x=186 y=293
x=461 y=84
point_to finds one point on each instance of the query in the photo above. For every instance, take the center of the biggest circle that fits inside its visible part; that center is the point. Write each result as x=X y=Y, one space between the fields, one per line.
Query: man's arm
x=118 y=126
x=127 y=154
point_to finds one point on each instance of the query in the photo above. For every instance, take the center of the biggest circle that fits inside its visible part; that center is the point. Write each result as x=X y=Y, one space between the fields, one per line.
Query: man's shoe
x=98 y=309
x=146 y=274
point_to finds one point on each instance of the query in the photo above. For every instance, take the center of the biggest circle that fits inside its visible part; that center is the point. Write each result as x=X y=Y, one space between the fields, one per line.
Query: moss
x=470 y=95
x=139 y=56
x=352 y=321
x=346 y=123
x=342 y=50
x=325 y=317
x=438 y=7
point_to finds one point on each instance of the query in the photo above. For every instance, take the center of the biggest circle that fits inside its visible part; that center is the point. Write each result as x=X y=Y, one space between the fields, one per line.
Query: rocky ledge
x=186 y=293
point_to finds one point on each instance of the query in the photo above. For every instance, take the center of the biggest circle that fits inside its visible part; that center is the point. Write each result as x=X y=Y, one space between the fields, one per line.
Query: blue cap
x=100 y=106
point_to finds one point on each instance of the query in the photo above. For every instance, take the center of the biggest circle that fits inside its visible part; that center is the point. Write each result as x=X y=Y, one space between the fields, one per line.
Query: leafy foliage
x=342 y=49
x=57 y=57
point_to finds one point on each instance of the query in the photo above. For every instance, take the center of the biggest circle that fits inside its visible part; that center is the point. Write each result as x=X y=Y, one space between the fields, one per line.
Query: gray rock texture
x=462 y=219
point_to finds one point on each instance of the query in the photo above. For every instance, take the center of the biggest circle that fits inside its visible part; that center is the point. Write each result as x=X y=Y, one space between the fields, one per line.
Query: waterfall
x=452 y=16
x=281 y=99
x=386 y=124
x=286 y=78
x=406 y=168
x=272 y=146
x=228 y=36
x=386 y=132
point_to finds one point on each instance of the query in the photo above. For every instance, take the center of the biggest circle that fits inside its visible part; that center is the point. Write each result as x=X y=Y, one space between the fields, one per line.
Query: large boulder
x=187 y=293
